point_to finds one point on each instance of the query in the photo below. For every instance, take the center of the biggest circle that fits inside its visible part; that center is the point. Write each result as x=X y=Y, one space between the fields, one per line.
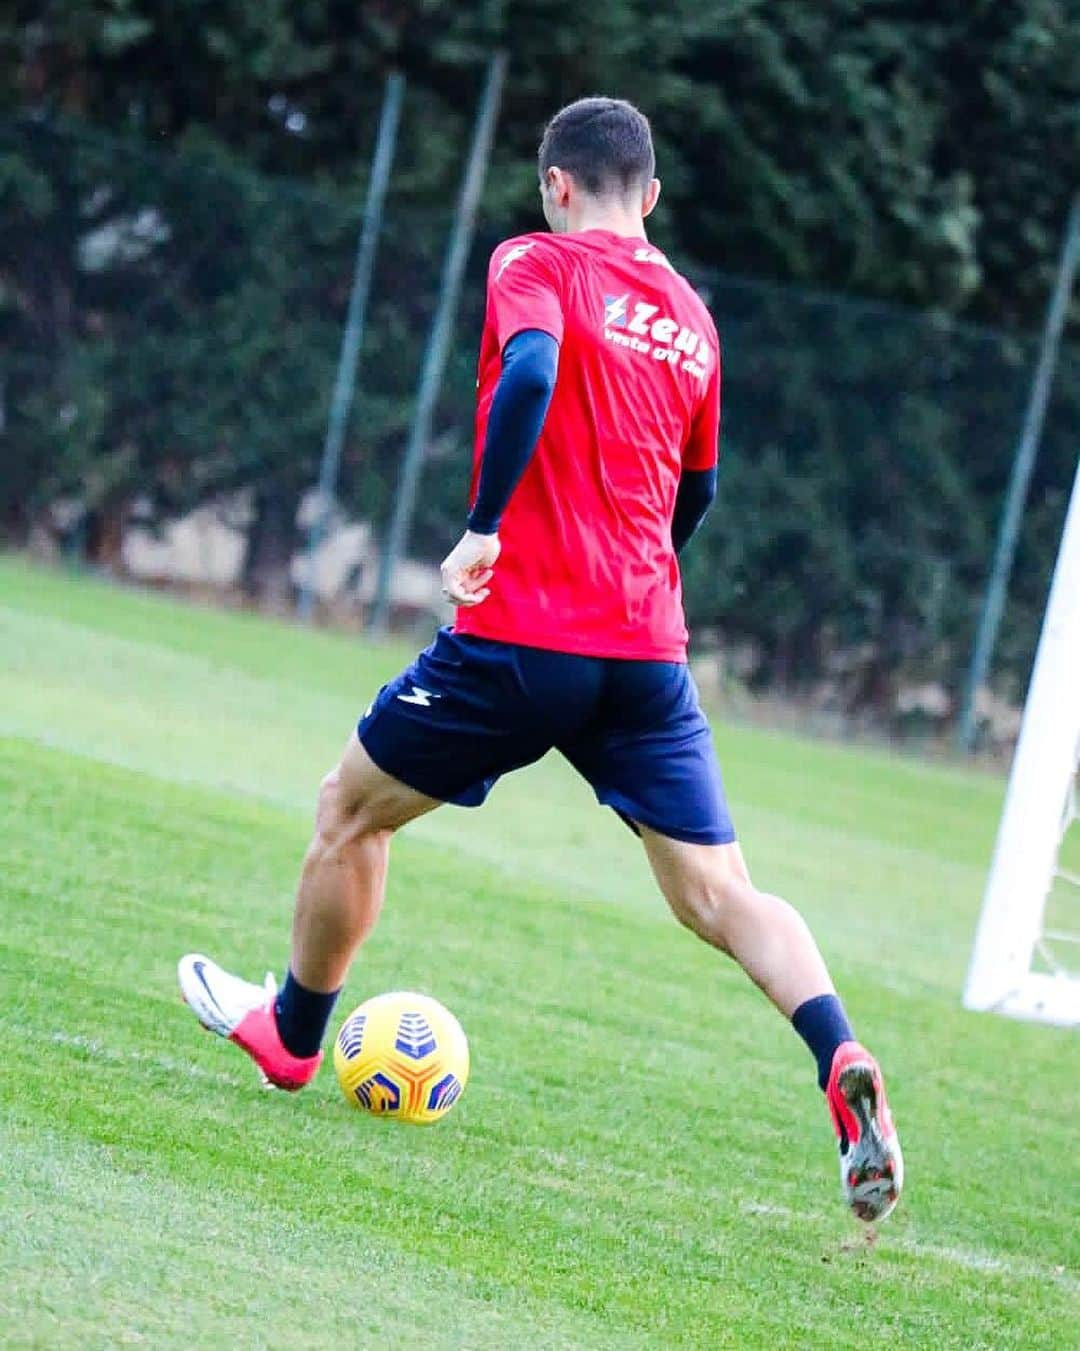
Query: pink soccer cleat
x=871 y=1164
x=244 y=1013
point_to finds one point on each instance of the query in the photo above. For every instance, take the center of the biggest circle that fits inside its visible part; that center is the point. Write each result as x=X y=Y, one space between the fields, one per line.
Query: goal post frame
x=1041 y=783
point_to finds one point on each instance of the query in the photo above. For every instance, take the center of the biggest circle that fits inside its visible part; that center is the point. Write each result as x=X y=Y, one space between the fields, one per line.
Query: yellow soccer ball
x=402 y=1056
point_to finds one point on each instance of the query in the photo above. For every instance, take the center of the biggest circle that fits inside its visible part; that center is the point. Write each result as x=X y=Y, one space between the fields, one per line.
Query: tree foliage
x=909 y=150
x=179 y=196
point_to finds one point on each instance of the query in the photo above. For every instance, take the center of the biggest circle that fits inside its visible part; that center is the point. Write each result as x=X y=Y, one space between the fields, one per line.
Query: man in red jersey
x=597 y=423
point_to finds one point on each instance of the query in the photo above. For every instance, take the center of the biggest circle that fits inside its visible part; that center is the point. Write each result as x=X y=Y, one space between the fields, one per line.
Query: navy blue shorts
x=469 y=710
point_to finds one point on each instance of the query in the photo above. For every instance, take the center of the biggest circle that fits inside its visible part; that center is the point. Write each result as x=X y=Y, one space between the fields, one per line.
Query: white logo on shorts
x=419 y=696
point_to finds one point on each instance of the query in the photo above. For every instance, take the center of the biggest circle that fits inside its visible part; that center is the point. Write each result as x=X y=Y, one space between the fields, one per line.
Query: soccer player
x=597 y=424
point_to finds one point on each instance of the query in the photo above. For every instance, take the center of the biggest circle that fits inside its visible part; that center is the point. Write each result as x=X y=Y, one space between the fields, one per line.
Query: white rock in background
x=205 y=547
x=345 y=562
x=930 y=699
x=1000 y=718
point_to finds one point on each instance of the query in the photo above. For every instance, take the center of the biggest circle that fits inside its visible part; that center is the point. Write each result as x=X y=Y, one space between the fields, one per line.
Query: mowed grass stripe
x=641 y=1157
x=632 y=1095
x=172 y=1067
x=114 y=1255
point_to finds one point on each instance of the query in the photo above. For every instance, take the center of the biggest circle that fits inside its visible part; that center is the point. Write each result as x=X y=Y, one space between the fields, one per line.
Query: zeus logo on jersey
x=642 y=328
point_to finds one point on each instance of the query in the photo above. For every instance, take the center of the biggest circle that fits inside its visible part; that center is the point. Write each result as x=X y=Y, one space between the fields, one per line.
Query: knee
x=707 y=904
x=342 y=818
x=328 y=806
x=330 y=810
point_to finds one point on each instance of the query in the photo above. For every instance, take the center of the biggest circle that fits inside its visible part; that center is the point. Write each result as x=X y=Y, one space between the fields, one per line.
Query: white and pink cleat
x=871 y=1164
x=243 y=1013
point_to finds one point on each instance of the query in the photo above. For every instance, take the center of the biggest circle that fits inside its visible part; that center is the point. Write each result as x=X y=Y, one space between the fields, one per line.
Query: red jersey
x=587 y=563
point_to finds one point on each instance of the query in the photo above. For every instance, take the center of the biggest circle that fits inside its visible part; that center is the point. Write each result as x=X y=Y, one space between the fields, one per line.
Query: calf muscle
x=343 y=879
x=709 y=890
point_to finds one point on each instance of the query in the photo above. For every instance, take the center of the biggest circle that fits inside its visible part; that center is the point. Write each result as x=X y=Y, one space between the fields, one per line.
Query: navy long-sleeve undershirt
x=695 y=494
x=530 y=364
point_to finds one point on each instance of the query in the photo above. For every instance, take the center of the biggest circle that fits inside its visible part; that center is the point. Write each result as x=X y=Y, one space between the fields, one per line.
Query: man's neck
x=601 y=216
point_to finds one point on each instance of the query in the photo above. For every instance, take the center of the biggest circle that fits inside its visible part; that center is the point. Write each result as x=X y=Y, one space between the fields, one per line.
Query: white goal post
x=1020 y=966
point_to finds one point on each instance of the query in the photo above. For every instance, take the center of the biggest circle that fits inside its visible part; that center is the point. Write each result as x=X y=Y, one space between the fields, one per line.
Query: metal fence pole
x=1024 y=463
x=438 y=340
x=345 y=383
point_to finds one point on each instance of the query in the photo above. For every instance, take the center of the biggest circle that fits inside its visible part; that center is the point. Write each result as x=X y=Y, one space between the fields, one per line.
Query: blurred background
x=872 y=197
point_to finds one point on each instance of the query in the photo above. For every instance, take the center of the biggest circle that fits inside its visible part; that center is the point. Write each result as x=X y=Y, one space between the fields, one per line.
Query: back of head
x=604 y=144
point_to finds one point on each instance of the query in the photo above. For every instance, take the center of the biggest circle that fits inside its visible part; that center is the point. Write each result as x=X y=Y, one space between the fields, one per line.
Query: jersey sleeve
x=702 y=449
x=523 y=291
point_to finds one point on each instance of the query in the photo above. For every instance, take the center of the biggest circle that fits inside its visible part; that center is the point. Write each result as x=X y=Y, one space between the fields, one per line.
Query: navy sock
x=302 y=1015
x=823 y=1025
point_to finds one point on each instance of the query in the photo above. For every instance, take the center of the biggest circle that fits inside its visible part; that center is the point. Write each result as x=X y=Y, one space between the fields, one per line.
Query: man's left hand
x=467 y=568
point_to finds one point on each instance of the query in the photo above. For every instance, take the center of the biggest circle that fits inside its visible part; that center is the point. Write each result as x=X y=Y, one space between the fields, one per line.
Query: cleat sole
x=871 y=1175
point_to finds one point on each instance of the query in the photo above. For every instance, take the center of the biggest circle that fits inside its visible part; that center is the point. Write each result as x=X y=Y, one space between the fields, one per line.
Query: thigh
x=454 y=721
x=682 y=870
x=363 y=797
x=649 y=755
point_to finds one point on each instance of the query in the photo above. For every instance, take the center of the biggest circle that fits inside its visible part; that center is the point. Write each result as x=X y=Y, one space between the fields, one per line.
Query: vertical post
x=994 y=603
x=438 y=340
x=344 y=384
x=1029 y=836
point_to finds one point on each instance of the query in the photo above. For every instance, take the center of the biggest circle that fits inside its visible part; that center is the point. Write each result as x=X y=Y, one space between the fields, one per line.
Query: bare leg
x=709 y=890
x=343 y=880
x=337 y=903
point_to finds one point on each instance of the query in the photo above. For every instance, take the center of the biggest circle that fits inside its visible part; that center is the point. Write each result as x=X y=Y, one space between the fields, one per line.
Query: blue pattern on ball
x=414 y=1036
x=365 y=1098
x=351 y=1036
x=444 y=1094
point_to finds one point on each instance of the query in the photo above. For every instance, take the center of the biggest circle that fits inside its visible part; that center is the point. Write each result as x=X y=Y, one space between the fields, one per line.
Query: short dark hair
x=605 y=144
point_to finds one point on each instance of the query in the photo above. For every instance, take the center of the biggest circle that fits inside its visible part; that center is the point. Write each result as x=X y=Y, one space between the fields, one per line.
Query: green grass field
x=642 y=1158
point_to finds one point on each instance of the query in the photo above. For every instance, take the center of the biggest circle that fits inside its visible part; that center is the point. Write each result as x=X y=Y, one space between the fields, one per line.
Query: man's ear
x=651 y=197
x=558 y=185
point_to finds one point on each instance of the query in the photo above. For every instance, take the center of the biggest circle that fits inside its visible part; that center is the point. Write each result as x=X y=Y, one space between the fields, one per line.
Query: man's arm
x=530 y=364
x=697 y=485
x=529 y=367
x=697 y=489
